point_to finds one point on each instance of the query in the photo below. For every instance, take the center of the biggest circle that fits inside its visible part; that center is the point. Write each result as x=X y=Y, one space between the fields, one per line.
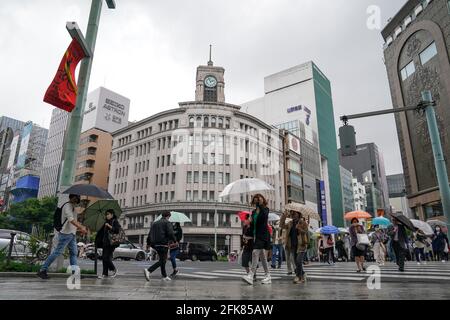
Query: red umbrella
x=357 y=215
x=243 y=214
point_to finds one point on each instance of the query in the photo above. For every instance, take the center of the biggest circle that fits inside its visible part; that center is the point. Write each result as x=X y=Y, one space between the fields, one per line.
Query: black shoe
x=401 y=269
x=279 y=267
x=43 y=275
x=272 y=266
x=174 y=273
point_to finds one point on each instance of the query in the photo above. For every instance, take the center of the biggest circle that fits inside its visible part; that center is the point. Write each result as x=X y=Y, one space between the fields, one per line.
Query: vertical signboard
x=323 y=203
x=26 y=132
x=12 y=155
x=294 y=144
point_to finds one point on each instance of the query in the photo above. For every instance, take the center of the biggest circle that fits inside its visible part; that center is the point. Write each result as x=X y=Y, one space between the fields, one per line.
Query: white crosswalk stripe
x=343 y=272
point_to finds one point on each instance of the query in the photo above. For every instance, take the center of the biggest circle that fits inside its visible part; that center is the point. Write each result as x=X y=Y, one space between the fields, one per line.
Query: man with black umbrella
x=399 y=239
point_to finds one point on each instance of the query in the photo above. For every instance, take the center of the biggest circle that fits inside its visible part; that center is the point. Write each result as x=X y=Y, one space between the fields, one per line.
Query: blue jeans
x=64 y=240
x=277 y=253
x=173 y=256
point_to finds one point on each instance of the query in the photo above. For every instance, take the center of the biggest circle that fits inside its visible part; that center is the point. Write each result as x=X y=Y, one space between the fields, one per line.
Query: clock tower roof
x=210 y=82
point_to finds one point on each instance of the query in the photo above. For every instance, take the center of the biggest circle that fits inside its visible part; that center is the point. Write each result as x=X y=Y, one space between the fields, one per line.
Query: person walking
x=66 y=236
x=160 y=235
x=358 y=253
x=328 y=246
x=399 y=238
x=175 y=247
x=378 y=241
x=340 y=247
x=290 y=238
x=439 y=243
x=103 y=240
x=247 y=245
x=302 y=247
x=277 y=246
x=419 y=247
x=261 y=236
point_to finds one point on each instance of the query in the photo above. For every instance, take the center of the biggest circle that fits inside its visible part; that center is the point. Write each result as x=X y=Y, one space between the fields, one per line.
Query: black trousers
x=162 y=254
x=107 y=258
x=399 y=254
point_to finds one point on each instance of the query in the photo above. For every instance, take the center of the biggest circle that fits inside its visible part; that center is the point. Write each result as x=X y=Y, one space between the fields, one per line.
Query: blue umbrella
x=328 y=230
x=381 y=221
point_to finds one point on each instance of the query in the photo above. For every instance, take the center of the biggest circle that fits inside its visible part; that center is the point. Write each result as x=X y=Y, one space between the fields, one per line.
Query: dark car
x=196 y=251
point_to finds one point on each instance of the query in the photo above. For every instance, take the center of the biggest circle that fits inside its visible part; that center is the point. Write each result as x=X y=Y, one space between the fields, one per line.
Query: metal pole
x=215 y=227
x=439 y=160
x=76 y=117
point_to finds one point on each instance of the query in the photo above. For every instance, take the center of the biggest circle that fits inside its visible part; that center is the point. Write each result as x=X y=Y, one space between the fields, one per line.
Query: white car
x=125 y=251
x=22 y=246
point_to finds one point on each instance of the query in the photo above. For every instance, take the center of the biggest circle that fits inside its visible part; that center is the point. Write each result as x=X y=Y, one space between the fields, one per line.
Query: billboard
x=12 y=155
x=323 y=203
x=294 y=144
x=105 y=110
x=26 y=133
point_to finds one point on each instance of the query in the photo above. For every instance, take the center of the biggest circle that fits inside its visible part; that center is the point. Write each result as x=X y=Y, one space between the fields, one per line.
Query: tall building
x=106 y=112
x=52 y=164
x=299 y=100
x=397 y=194
x=417 y=58
x=359 y=195
x=181 y=159
x=347 y=190
x=367 y=166
x=27 y=166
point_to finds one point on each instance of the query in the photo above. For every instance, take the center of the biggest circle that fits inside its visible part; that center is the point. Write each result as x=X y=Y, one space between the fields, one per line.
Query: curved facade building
x=181 y=159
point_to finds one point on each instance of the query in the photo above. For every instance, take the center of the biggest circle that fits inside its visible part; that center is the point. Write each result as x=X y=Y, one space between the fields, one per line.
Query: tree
x=38 y=212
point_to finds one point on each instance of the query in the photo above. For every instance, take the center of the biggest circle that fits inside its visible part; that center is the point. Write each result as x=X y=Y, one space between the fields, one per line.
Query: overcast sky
x=148 y=51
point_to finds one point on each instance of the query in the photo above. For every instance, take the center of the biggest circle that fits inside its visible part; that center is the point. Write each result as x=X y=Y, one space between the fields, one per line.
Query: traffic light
x=348 y=140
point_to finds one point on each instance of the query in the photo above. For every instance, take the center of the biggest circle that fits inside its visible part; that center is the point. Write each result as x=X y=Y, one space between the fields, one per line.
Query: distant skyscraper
x=368 y=167
x=417 y=58
x=50 y=171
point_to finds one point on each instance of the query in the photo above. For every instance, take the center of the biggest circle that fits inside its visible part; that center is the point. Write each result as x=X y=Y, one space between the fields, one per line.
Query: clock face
x=210 y=82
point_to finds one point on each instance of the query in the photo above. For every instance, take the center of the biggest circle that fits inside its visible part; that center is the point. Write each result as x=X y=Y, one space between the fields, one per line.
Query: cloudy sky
x=149 y=51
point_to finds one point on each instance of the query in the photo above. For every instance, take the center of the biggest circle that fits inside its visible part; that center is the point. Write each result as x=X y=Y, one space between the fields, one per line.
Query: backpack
x=57 y=218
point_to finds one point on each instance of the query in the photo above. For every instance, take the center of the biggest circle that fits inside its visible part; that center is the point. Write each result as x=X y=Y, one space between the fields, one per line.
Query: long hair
x=254 y=200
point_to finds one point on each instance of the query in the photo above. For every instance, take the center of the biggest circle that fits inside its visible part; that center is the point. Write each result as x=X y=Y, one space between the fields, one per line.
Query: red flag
x=62 y=92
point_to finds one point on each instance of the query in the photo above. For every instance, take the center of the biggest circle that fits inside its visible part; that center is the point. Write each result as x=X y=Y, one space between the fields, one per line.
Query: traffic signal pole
x=427 y=106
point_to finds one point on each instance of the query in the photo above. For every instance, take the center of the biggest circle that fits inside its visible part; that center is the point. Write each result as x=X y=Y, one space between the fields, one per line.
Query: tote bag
x=363 y=241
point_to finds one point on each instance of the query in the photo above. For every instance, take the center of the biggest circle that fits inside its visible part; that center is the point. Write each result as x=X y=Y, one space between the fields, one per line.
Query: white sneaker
x=418 y=263
x=167 y=279
x=147 y=274
x=102 y=277
x=443 y=260
x=266 y=280
x=248 y=278
x=114 y=273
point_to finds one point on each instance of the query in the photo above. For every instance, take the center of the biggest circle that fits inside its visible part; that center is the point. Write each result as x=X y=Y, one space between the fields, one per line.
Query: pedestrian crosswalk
x=432 y=272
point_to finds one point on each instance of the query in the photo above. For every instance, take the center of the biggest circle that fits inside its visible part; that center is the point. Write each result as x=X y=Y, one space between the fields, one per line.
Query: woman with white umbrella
x=259 y=226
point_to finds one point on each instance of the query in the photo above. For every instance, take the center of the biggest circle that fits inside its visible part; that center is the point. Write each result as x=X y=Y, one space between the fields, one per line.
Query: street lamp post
x=72 y=137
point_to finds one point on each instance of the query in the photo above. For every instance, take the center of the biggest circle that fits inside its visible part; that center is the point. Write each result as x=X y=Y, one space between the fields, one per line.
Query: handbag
x=363 y=241
x=115 y=239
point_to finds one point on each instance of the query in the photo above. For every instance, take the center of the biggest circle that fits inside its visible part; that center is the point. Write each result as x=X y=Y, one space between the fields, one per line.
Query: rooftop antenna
x=210 y=63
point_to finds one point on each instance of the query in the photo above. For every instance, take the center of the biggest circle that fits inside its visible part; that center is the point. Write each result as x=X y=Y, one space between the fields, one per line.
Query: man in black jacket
x=397 y=232
x=161 y=233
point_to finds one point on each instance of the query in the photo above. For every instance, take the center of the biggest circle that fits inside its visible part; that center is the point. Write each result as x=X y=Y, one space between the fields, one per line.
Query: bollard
x=11 y=244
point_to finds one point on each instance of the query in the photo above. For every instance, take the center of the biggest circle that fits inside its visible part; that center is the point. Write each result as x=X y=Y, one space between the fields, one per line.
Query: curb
x=33 y=275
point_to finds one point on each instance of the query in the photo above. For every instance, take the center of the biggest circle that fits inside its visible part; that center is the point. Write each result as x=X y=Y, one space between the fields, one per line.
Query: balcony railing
x=134 y=226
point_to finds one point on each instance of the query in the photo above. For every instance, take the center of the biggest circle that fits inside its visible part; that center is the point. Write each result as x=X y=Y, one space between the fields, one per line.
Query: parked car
x=196 y=251
x=125 y=251
x=22 y=245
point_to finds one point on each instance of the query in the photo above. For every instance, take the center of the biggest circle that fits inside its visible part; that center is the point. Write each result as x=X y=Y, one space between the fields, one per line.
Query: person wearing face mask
x=261 y=235
x=66 y=236
x=359 y=254
x=102 y=240
x=440 y=240
x=399 y=238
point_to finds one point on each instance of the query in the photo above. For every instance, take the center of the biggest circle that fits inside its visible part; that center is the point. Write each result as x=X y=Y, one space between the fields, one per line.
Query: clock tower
x=210 y=83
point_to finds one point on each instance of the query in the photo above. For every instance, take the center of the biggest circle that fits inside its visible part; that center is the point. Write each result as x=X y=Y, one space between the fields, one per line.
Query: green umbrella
x=176 y=217
x=94 y=215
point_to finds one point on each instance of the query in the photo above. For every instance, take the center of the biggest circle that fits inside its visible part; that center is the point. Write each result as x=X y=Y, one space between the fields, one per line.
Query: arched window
x=213 y=122
x=227 y=123
x=206 y=122
x=220 y=122
x=198 y=123
x=191 y=122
